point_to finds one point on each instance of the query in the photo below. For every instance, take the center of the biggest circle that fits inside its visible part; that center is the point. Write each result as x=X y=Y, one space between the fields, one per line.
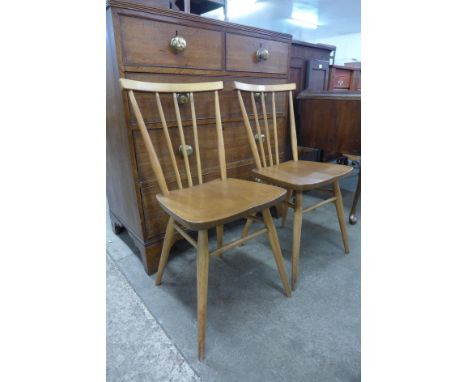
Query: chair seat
x=218 y=202
x=302 y=175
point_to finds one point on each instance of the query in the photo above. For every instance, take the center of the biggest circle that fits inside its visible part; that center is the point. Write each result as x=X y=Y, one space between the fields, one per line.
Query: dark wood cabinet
x=330 y=122
x=138 y=37
x=344 y=78
x=319 y=55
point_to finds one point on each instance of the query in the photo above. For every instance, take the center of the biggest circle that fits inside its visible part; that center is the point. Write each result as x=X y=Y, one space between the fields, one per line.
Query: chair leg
x=246 y=229
x=167 y=244
x=276 y=249
x=219 y=235
x=203 y=261
x=341 y=216
x=357 y=194
x=296 y=247
x=285 y=208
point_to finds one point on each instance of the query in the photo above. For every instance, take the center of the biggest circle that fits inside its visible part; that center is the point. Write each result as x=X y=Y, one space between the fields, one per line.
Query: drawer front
x=241 y=54
x=145 y=42
x=235 y=141
x=340 y=79
x=204 y=102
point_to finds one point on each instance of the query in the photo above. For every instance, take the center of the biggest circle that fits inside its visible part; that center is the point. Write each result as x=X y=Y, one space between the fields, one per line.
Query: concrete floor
x=254 y=332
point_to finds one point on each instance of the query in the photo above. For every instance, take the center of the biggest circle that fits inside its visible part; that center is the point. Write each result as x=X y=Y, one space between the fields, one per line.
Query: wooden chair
x=295 y=175
x=206 y=205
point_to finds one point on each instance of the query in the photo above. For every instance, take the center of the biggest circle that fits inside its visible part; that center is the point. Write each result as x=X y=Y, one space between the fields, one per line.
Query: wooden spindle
x=267 y=132
x=195 y=139
x=168 y=140
x=154 y=161
x=219 y=132
x=292 y=122
x=182 y=140
x=248 y=129
x=257 y=124
x=275 y=130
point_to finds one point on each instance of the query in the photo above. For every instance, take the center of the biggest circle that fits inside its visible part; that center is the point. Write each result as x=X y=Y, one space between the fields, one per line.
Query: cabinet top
x=334 y=95
x=314 y=45
x=144 y=6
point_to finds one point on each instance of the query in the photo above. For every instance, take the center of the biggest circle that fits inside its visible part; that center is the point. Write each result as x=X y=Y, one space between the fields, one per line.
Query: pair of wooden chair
x=214 y=203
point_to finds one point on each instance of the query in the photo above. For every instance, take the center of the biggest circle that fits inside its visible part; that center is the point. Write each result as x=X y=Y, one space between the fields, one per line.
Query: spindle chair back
x=206 y=205
x=295 y=175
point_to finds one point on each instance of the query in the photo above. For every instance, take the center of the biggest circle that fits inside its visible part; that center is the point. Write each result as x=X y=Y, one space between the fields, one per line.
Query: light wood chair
x=206 y=205
x=295 y=175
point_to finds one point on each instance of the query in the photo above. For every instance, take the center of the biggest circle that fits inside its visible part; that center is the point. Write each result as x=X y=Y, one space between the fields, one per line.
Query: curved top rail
x=264 y=88
x=170 y=88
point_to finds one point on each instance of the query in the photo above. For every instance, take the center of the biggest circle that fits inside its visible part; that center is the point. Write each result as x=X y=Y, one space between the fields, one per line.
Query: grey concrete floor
x=254 y=332
x=137 y=347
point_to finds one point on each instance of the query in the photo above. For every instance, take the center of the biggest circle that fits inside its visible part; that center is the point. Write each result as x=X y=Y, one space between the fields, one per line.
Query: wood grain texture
x=218 y=202
x=241 y=54
x=331 y=122
x=145 y=42
x=344 y=78
x=139 y=36
x=302 y=175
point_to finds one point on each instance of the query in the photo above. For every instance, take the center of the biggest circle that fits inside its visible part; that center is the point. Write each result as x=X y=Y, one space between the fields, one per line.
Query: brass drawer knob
x=257 y=96
x=263 y=54
x=262 y=135
x=178 y=43
x=188 y=148
x=182 y=98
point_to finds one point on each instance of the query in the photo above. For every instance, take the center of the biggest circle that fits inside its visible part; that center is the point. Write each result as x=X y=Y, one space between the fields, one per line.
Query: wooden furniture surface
x=138 y=48
x=344 y=78
x=296 y=176
x=218 y=202
x=330 y=122
x=315 y=76
x=302 y=175
x=205 y=205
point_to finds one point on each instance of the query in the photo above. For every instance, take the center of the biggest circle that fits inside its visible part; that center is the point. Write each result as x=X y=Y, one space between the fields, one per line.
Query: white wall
x=348 y=47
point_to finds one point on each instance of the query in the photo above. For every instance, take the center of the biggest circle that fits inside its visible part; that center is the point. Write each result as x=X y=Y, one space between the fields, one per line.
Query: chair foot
x=167 y=244
x=296 y=247
x=276 y=249
x=340 y=214
x=203 y=261
x=357 y=193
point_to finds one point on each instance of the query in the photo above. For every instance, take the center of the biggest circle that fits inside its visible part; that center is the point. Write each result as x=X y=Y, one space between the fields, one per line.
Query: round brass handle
x=178 y=43
x=257 y=96
x=182 y=98
x=263 y=54
x=188 y=148
x=262 y=135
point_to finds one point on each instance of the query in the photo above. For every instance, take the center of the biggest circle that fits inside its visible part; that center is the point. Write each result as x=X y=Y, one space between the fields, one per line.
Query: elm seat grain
x=302 y=175
x=219 y=202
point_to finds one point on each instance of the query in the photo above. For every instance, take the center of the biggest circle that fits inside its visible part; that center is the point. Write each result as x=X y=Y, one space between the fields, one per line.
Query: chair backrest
x=262 y=89
x=150 y=87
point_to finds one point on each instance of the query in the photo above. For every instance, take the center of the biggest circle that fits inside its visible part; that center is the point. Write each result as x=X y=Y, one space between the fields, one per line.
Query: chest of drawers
x=138 y=37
